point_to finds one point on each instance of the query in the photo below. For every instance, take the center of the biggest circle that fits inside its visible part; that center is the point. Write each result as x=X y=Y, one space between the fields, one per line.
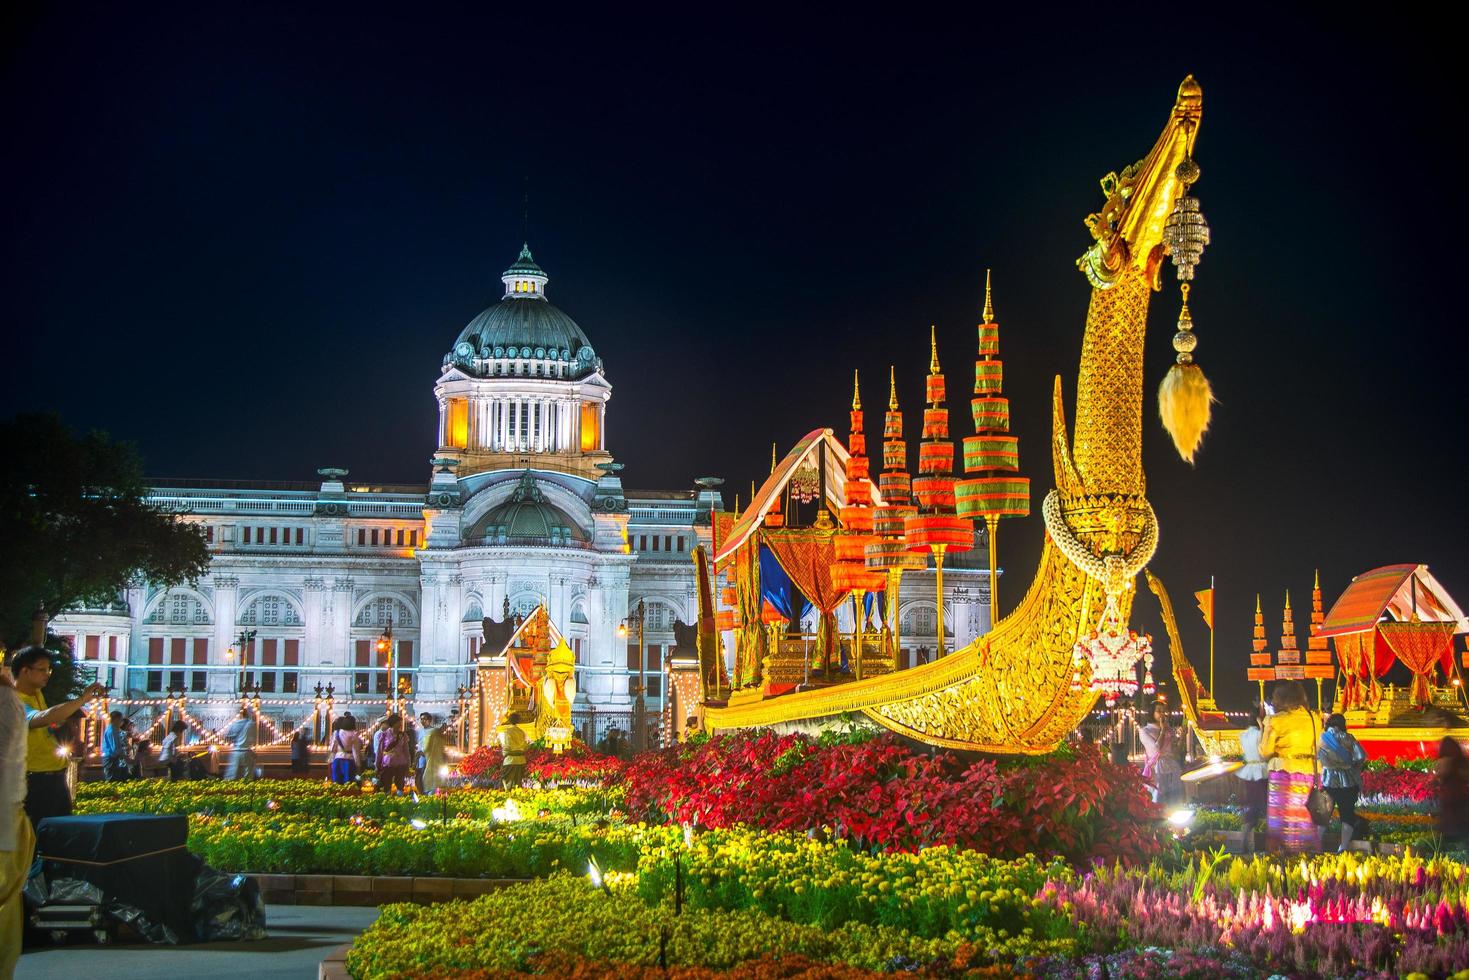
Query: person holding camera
x=47 y=794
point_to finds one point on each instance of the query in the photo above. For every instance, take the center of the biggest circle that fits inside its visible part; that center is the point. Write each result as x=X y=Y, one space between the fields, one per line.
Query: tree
x=76 y=527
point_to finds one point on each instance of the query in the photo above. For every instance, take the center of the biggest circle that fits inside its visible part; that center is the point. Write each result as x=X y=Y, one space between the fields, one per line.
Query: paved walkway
x=300 y=936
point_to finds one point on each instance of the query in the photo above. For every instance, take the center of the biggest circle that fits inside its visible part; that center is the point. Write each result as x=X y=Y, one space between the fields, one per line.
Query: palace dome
x=528 y=518
x=523 y=324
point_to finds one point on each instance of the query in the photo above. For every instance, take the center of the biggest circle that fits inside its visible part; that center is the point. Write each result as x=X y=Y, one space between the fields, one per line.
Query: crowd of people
x=1298 y=773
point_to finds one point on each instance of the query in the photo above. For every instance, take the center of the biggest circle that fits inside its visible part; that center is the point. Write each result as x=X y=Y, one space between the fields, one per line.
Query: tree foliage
x=77 y=527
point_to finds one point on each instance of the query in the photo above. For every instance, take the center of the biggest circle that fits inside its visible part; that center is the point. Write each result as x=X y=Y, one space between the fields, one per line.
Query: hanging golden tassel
x=1185 y=397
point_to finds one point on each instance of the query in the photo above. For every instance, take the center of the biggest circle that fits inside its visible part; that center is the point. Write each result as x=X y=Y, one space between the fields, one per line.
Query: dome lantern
x=524 y=279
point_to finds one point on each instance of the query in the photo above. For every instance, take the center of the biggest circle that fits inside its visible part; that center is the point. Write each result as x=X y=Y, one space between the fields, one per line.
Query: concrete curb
x=334 y=967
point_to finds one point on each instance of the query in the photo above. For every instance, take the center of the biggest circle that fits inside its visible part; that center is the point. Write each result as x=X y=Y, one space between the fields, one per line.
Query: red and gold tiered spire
x=1288 y=657
x=937 y=528
x=857 y=516
x=890 y=552
x=1318 y=652
x=992 y=452
x=1260 y=658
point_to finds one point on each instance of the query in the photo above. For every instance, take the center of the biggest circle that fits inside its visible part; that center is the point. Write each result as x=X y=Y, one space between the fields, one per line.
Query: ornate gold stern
x=1018 y=689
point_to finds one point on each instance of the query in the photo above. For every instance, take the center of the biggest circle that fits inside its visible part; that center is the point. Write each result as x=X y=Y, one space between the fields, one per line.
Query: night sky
x=243 y=237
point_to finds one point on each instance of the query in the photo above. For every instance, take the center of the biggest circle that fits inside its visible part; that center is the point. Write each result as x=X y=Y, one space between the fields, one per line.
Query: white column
x=503 y=427
x=542 y=415
x=602 y=425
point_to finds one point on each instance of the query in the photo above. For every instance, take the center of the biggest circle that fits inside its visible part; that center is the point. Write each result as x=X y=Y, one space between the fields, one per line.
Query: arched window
x=179 y=609
x=375 y=614
x=270 y=610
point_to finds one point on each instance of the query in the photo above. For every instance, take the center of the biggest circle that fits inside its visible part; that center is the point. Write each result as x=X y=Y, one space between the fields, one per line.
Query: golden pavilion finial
x=856 y=392
x=1316 y=586
x=989 y=306
x=892 y=390
x=1287 y=600
x=1257 y=604
x=772 y=457
x=933 y=350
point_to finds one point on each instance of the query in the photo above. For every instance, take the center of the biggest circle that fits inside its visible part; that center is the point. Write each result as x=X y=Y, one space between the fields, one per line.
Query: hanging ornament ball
x=1185 y=234
x=1185 y=341
x=1187 y=171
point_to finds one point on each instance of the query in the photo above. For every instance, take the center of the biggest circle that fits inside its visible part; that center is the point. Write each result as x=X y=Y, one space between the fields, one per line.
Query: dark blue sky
x=244 y=236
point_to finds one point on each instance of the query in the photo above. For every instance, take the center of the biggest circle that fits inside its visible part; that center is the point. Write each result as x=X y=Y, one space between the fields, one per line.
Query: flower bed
x=1333 y=915
x=578 y=764
x=271 y=844
x=747 y=896
x=324 y=800
x=565 y=917
x=1401 y=784
x=881 y=794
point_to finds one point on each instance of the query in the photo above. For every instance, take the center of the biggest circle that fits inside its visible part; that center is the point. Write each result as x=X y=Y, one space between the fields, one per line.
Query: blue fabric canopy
x=777 y=588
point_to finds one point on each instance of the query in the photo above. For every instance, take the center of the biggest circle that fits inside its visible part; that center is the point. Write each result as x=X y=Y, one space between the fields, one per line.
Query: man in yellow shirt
x=47 y=794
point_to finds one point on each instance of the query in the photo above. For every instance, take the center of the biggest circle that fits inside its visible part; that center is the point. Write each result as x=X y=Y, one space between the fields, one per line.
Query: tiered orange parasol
x=890 y=552
x=992 y=451
x=936 y=528
x=850 y=571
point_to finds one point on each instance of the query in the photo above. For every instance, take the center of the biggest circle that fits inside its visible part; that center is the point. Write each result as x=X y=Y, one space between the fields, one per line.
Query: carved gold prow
x=1018 y=689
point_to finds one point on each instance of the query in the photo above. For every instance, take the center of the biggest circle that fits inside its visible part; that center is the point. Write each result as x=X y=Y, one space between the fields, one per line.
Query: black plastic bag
x=227 y=907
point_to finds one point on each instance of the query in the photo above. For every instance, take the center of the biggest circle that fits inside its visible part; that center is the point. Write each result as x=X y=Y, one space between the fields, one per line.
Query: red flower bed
x=882 y=794
x=1404 y=784
x=577 y=764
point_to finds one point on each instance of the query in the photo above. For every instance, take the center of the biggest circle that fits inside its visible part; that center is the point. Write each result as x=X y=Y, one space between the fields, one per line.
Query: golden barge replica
x=1026 y=684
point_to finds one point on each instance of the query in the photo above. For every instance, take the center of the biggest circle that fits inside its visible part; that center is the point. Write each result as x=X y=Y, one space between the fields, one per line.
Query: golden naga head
x=1129 y=228
x=561 y=661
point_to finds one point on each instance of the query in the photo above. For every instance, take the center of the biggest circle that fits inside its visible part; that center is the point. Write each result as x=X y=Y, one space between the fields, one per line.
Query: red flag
x=1206 y=605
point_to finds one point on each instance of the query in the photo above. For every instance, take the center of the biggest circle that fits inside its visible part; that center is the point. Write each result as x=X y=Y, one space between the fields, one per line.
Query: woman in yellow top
x=1288 y=743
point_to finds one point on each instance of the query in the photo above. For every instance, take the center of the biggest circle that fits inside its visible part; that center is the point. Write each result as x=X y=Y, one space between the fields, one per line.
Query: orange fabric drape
x=807 y=557
x=1349 y=653
x=1419 y=646
x=750 y=638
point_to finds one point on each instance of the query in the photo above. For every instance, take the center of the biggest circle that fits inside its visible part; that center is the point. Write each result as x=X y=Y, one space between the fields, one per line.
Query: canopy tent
x=1393 y=613
x=769 y=494
x=1408 y=592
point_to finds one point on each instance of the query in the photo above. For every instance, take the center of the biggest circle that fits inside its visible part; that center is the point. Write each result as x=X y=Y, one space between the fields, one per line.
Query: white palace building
x=524 y=506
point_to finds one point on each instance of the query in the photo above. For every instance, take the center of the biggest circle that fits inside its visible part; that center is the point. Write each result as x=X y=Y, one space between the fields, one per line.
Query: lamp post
x=711 y=483
x=243 y=641
x=385 y=649
x=640 y=706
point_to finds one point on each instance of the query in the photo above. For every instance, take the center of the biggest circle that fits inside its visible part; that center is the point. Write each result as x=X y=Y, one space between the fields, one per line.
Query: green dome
x=524 y=324
x=528 y=518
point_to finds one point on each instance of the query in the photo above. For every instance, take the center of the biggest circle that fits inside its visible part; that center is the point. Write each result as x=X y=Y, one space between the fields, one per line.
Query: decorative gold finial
x=772 y=457
x=892 y=390
x=1317 y=584
x=856 y=392
x=1257 y=603
x=1287 y=600
x=989 y=306
x=737 y=507
x=933 y=350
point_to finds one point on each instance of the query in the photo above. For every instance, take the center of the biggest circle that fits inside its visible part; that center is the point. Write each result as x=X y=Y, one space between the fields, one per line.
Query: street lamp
x=712 y=483
x=640 y=706
x=243 y=641
x=385 y=649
